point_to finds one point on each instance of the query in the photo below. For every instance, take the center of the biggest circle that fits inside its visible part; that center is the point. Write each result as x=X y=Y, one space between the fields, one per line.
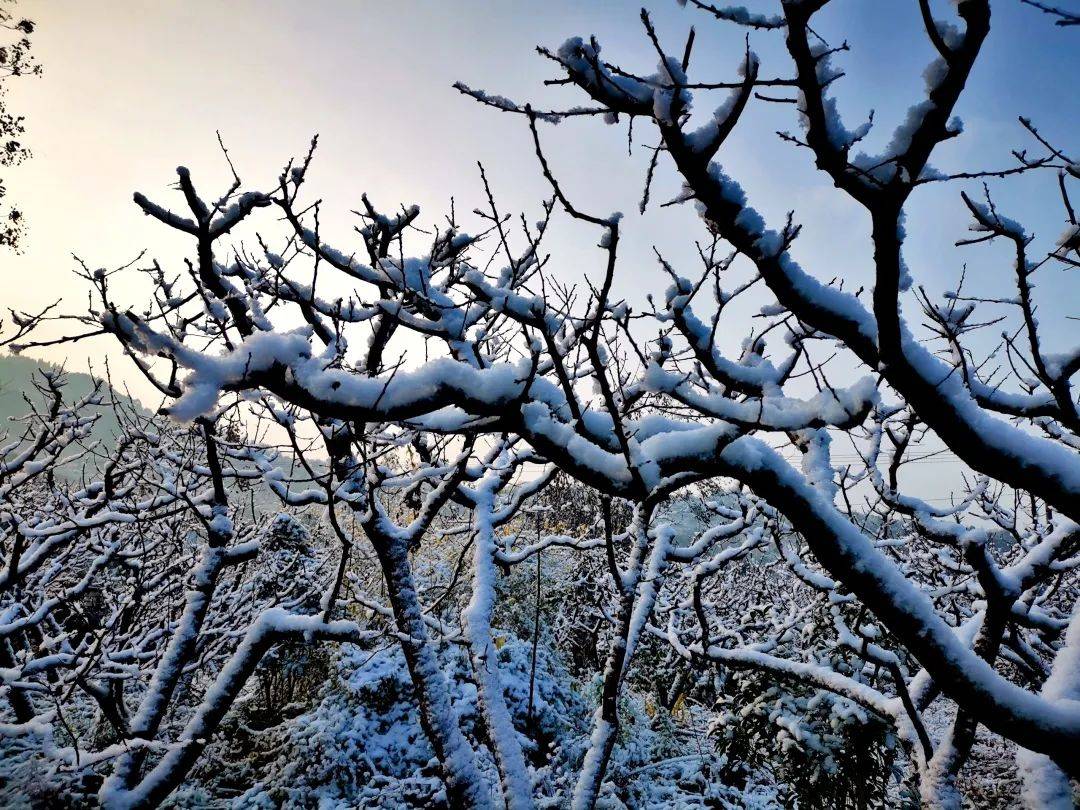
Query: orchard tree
x=465 y=350
x=990 y=423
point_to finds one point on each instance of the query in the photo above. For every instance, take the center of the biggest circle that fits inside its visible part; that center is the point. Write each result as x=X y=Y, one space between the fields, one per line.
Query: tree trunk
x=465 y=787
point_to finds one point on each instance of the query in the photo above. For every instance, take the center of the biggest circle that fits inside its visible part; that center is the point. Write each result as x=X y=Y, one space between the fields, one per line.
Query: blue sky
x=132 y=89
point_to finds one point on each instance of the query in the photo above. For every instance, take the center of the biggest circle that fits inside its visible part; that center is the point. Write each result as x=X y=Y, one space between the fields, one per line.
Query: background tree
x=15 y=61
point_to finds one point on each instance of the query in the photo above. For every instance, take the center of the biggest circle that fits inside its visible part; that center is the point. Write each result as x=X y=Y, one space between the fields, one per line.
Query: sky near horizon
x=132 y=89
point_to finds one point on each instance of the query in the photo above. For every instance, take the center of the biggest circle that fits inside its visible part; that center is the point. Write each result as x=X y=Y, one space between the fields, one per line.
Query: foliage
x=15 y=61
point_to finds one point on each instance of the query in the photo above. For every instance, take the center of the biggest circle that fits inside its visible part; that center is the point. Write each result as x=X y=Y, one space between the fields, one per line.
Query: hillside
x=16 y=384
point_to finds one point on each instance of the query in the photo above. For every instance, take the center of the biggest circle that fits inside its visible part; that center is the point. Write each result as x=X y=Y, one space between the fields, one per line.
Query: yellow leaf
x=680 y=702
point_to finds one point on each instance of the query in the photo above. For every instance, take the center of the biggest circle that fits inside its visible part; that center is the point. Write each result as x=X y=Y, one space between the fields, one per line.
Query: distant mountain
x=17 y=382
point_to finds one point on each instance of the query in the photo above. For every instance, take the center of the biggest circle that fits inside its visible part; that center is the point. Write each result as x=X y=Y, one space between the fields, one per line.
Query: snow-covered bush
x=363 y=745
x=822 y=750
